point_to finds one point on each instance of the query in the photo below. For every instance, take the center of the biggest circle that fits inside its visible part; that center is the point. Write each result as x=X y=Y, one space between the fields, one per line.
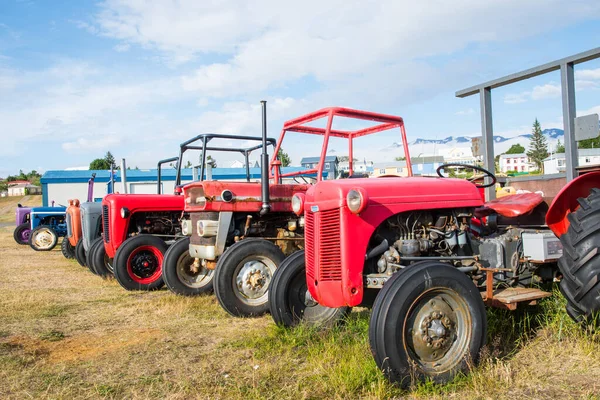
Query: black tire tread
x=580 y=262
x=170 y=271
x=122 y=254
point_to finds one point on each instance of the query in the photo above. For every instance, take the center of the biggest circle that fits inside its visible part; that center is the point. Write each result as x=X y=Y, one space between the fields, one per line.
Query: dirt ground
x=65 y=333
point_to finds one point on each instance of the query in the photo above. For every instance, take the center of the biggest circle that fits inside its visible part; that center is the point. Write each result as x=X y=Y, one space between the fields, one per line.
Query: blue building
x=60 y=186
x=330 y=167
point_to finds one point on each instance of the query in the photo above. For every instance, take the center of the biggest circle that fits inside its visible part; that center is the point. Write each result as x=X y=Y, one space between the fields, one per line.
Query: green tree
x=211 y=161
x=99 y=163
x=560 y=148
x=589 y=143
x=346 y=159
x=110 y=159
x=516 y=149
x=538 y=147
x=104 y=163
x=400 y=158
x=284 y=158
x=188 y=164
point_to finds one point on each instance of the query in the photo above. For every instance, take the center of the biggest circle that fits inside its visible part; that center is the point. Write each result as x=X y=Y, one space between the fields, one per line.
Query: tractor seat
x=510 y=206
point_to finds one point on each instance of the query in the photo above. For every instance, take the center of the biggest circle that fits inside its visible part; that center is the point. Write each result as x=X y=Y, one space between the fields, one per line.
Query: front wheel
x=22 y=233
x=98 y=261
x=243 y=275
x=67 y=248
x=80 y=253
x=138 y=263
x=184 y=274
x=428 y=322
x=290 y=301
x=43 y=238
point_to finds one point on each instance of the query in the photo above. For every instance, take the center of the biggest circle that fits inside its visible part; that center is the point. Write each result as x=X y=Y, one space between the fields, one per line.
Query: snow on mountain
x=501 y=143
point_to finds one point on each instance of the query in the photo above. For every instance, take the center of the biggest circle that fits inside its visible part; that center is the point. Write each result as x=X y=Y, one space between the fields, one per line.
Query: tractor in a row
x=432 y=254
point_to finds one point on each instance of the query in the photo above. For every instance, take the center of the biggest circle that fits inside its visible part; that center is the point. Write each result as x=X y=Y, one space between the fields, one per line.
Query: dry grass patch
x=66 y=333
x=9 y=204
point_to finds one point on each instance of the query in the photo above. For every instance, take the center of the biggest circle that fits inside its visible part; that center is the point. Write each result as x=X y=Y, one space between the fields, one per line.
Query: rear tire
x=178 y=274
x=428 y=322
x=290 y=302
x=138 y=263
x=80 y=253
x=243 y=275
x=67 y=249
x=580 y=262
x=22 y=233
x=97 y=260
x=43 y=238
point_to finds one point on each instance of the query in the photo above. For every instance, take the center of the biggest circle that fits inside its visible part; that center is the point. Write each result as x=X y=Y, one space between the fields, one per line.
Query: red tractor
x=138 y=228
x=243 y=229
x=434 y=254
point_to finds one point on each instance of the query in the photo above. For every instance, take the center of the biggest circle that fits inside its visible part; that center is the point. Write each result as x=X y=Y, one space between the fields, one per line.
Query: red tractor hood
x=148 y=202
x=389 y=191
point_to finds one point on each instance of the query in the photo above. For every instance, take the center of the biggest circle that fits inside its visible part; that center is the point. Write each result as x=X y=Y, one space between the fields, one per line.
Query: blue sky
x=139 y=77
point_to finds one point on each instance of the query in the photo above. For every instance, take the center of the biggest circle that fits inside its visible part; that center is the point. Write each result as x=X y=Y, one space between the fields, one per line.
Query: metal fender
x=566 y=201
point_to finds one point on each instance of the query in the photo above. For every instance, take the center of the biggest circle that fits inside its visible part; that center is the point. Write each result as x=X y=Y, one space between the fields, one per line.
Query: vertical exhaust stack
x=264 y=182
x=123 y=175
x=90 y=196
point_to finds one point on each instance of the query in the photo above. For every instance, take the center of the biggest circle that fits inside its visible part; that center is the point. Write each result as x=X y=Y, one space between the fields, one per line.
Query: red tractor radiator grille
x=309 y=244
x=329 y=251
x=105 y=223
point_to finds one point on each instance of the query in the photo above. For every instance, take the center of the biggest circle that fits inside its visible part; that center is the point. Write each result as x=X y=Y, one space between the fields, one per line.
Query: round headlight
x=356 y=200
x=298 y=204
x=227 y=196
x=186 y=227
x=124 y=212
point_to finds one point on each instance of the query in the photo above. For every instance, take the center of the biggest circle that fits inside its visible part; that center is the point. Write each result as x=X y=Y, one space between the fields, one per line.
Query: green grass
x=68 y=334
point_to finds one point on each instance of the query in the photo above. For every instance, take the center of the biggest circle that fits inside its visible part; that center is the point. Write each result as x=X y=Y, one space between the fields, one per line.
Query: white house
x=357 y=166
x=516 y=162
x=556 y=163
x=459 y=155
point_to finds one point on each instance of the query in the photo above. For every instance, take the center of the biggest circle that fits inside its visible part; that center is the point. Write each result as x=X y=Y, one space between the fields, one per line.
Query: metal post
x=567 y=81
x=487 y=132
x=350 y=157
x=247 y=158
x=123 y=176
x=264 y=167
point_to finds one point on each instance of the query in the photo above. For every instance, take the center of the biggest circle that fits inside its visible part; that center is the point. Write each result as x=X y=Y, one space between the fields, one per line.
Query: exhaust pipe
x=123 y=176
x=90 y=196
x=266 y=205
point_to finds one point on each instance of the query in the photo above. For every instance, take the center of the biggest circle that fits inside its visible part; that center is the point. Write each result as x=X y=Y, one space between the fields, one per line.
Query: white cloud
x=468 y=111
x=547 y=91
x=540 y=92
x=122 y=48
x=588 y=74
x=96 y=143
x=268 y=43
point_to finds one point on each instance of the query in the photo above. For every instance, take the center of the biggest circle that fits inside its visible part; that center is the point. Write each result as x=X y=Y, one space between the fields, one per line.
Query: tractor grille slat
x=69 y=226
x=329 y=252
x=309 y=244
x=105 y=223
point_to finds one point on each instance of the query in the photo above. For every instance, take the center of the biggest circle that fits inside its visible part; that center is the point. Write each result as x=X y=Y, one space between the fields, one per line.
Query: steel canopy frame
x=207 y=137
x=567 y=80
x=386 y=122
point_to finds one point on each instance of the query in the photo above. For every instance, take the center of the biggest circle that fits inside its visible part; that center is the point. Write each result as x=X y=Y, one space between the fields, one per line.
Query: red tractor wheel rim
x=144 y=264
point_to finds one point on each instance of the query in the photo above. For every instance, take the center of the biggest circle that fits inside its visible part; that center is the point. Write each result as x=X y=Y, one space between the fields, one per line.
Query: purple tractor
x=23 y=229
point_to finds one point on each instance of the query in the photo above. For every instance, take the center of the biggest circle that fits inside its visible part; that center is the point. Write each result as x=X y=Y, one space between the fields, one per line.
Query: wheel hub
x=252 y=280
x=309 y=301
x=43 y=239
x=436 y=332
x=144 y=265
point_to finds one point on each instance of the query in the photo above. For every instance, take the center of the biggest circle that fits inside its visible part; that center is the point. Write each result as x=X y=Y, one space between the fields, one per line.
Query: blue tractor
x=47 y=225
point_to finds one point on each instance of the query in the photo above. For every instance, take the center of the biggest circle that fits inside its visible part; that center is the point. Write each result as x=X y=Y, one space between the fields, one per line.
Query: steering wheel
x=486 y=173
x=305 y=180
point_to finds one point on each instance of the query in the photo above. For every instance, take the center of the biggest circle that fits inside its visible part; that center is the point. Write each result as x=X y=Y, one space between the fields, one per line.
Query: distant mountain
x=501 y=143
